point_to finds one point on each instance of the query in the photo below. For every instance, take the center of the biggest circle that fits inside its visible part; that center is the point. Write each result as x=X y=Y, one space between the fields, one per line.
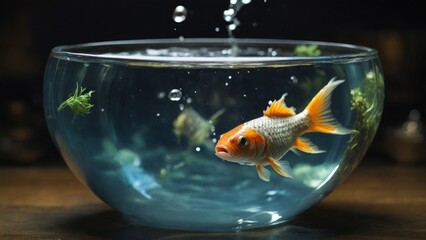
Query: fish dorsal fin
x=278 y=108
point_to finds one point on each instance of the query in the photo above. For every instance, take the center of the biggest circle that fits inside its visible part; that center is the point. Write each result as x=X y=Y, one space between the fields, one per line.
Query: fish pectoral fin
x=305 y=145
x=294 y=150
x=282 y=169
x=264 y=173
x=278 y=108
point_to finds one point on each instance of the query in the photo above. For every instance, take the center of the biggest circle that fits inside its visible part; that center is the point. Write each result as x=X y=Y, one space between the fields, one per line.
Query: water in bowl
x=147 y=146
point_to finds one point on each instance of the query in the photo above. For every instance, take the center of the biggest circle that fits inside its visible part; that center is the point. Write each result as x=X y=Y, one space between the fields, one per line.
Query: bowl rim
x=77 y=52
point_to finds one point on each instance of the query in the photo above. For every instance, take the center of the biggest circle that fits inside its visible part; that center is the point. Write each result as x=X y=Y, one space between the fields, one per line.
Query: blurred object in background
x=407 y=143
x=21 y=133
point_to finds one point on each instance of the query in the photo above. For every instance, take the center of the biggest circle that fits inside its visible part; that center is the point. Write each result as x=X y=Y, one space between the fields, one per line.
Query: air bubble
x=226 y=84
x=161 y=95
x=217 y=29
x=214 y=140
x=189 y=100
x=158 y=114
x=175 y=95
x=179 y=14
x=246 y=1
x=294 y=80
x=181 y=107
x=272 y=52
x=226 y=51
x=229 y=77
x=197 y=149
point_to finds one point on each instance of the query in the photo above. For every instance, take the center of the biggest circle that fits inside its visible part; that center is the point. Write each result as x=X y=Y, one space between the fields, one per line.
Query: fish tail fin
x=319 y=113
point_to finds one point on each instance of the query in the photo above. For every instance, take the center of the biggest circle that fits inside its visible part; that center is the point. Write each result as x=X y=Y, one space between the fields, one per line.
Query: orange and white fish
x=265 y=140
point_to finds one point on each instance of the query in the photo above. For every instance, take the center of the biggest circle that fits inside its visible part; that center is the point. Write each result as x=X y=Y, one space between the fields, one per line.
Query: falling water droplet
x=179 y=15
x=175 y=95
x=228 y=14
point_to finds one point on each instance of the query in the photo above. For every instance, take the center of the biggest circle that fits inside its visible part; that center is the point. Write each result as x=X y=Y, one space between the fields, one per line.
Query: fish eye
x=243 y=142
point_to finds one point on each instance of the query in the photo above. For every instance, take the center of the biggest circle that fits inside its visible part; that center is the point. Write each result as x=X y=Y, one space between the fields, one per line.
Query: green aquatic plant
x=366 y=104
x=363 y=103
x=307 y=50
x=78 y=102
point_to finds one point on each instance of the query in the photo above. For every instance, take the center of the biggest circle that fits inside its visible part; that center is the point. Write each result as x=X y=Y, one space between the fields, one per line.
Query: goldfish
x=265 y=140
x=190 y=124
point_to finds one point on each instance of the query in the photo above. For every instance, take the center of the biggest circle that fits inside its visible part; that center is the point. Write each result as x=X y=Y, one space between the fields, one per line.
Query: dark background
x=30 y=29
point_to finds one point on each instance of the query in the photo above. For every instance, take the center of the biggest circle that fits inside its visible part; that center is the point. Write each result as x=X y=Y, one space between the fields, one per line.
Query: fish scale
x=280 y=132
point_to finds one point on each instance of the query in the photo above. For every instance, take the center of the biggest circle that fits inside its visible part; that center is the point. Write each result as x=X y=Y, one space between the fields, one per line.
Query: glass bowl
x=140 y=123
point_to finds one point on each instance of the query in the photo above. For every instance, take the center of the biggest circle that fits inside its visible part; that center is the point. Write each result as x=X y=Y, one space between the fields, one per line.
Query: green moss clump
x=307 y=50
x=78 y=102
x=366 y=104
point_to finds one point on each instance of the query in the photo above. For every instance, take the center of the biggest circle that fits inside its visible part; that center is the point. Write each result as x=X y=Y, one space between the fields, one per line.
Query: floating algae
x=78 y=102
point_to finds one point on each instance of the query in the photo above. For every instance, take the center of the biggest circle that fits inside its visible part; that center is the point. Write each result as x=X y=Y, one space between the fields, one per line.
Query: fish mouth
x=222 y=152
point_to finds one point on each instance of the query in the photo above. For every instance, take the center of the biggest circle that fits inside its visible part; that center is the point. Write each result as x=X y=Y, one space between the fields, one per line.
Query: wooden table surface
x=375 y=202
